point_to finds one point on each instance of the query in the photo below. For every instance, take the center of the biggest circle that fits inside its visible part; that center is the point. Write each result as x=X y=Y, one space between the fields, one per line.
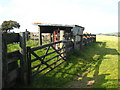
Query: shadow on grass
x=74 y=74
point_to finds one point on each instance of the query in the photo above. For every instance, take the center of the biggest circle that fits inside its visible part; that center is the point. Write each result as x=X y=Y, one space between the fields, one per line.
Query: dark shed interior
x=51 y=28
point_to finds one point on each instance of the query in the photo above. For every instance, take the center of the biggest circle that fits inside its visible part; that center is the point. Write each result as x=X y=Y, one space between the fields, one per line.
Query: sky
x=97 y=16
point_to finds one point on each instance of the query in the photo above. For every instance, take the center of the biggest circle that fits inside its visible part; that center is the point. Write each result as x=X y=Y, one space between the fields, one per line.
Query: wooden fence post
x=27 y=35
x=0 y=60
x=81 y=41
x=4 y=62
x=95 y=38
x=29 y=72
x=23 y=61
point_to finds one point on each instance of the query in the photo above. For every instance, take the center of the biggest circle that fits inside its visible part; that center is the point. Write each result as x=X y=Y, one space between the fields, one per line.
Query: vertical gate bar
x=29 y=71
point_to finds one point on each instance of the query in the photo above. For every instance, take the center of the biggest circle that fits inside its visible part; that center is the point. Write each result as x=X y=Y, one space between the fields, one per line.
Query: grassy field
x=94 y=66
x=101 y=58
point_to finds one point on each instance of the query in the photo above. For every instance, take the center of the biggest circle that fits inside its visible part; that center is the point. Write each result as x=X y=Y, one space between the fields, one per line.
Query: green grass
x=94 y=66
x=30 y=43
x=13 y=47
x=102 y=57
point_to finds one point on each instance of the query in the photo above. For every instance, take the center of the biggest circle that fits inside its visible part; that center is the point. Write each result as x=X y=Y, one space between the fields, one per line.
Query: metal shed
x=51 y=28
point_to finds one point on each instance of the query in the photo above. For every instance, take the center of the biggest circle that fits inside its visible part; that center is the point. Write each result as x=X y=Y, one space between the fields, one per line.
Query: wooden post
x=40 y=36
x=81 y=41
x=95 y=38
x=76 y=46
x=51 y=37
x=27 y=35
x=61 y=37
x=4 y=62
x=23 y=61
x=0 y=60
x=29 y=71
x=74 y=41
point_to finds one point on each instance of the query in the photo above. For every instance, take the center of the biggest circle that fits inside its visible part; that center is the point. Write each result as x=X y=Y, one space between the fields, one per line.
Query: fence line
x=12 y=72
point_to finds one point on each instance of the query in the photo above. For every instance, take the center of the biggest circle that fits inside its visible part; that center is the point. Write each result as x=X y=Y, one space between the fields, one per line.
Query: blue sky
x=97 y=16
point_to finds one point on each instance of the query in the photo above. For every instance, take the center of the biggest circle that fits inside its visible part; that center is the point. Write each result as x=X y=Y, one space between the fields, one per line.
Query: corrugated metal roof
x=58 y=25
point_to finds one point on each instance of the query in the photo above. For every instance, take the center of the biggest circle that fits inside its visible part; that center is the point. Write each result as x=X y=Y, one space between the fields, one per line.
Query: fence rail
x=88 y=38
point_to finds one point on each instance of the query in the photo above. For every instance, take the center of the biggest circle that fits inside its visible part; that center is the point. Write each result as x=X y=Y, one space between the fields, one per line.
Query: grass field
x=102 y=61
x=94 y=66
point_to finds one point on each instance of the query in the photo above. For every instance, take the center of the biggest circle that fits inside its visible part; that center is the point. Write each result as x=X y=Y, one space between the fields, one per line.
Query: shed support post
x=40 y=36
x=51 y=37
x=61 y=37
